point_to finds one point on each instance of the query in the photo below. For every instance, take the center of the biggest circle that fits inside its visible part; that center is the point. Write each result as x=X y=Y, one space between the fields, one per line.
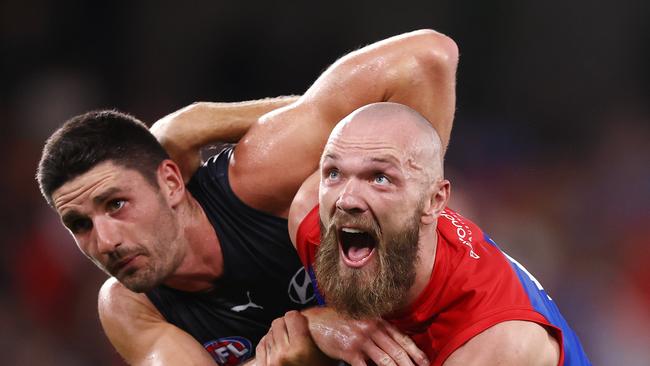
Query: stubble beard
x=159 y=267
x=162 y=258
x=378 y=288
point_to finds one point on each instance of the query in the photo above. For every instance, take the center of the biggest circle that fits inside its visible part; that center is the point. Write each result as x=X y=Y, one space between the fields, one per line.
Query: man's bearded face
x=380 y=286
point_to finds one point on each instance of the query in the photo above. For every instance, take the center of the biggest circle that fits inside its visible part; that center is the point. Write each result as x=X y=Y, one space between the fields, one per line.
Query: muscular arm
x=184 y=132
x=140 y=334
x=319 y=337
x=355 y=341
x=509 y=343
x=283 y=148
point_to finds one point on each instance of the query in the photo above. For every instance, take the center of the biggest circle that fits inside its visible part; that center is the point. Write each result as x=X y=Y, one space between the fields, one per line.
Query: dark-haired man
x=213 y=262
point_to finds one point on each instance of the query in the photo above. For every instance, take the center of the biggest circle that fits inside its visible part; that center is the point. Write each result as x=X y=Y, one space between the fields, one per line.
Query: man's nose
x=350 y=199
x=107 y=233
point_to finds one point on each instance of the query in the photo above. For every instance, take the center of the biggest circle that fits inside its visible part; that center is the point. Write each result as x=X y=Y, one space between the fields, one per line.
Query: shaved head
x=398 y=124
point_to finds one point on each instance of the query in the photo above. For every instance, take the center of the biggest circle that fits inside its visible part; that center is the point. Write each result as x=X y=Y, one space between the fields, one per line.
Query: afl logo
x=301 y=290
x=229 y=351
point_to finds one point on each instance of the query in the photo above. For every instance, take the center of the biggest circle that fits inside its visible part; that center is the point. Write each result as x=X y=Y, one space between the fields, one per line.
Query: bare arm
x=509 y=343
x=184 y=132
x=355 y=341
x=318 y=336
x=140 y=334
x=283 y=148
x=288 y=343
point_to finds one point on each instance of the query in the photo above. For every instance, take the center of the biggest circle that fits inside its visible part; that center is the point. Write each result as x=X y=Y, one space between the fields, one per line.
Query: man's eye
x=333 y=174
x=81 y=226
x=115 y=205
x=382 y=179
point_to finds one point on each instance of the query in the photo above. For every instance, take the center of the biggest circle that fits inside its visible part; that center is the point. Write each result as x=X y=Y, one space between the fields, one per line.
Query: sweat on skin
x=381 y=177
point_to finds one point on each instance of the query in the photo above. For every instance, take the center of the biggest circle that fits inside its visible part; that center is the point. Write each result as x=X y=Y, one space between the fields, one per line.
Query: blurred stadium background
x=550 y=150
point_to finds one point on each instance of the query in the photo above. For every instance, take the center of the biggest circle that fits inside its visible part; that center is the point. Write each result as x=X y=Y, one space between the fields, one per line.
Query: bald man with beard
x=381 y=242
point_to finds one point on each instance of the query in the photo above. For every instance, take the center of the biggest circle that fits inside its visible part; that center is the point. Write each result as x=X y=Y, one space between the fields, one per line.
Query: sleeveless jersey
x=262 y=275
x=474 y=285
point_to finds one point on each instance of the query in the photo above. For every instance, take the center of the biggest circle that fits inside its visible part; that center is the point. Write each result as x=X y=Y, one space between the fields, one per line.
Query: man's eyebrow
x=330 y=155
x=70 y=217
x=385 y=159
x=100 y=198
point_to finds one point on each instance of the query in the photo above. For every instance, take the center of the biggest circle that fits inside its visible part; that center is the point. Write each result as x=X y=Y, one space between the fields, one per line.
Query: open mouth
x=357 y=246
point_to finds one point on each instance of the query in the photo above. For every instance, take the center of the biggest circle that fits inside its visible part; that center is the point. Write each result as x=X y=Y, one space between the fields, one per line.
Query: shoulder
x=140 y=334
x=122 y=311
x=509 y=343
x=114 y=297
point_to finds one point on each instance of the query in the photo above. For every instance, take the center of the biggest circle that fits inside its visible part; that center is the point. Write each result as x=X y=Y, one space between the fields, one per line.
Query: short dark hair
x=95 y=137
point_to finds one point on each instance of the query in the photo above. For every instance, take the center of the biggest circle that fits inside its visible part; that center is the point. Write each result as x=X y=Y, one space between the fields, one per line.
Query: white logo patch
x=250 y=304
x=300 y=288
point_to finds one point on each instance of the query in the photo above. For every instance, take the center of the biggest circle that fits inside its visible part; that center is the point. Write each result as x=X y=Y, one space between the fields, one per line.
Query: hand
x=355 y=341
x=288 y=343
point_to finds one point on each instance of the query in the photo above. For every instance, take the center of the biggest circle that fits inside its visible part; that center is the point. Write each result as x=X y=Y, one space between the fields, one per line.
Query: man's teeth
x=352 y=231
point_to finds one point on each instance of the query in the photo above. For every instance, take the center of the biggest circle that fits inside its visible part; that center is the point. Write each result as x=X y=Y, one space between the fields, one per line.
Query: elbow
x=174 y=128
x=434 y=50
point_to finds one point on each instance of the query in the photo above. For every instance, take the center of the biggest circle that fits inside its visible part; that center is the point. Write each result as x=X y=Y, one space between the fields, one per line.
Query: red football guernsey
x=473 y=286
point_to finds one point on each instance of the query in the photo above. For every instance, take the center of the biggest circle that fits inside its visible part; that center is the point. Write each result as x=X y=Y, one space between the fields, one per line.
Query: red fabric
x=308 y=238
x=472 y=288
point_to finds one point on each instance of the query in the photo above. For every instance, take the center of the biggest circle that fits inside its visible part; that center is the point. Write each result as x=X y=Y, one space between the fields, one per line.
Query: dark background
x=549 y=152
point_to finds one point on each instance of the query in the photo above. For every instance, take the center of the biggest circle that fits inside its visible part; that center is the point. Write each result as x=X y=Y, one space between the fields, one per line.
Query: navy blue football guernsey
x=262 y=279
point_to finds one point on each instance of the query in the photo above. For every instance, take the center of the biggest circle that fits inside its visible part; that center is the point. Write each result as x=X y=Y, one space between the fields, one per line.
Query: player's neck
x=427 y=244
x=203 y=260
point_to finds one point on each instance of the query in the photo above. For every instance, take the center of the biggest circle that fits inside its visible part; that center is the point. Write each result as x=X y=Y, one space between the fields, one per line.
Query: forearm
x=184 y=132
x=204 y=123
x=417 y=69
x=355 y=341
x=333 y=334
x=173 y=352
x=289 y=343
x=317 y=318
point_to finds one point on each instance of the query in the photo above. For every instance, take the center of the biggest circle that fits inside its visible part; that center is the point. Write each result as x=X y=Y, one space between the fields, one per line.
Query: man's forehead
x=105 y=178
x=405 y=136
x=387 y=143
x=382 y=153
x=389 y=131
x=379 y=155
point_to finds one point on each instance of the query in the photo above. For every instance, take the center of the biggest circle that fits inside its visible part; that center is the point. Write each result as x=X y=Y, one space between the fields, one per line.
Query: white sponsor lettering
x=463 y=232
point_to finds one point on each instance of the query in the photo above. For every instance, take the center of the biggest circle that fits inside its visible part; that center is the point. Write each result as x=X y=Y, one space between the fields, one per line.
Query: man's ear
x=171 y=182
x=437 y=202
